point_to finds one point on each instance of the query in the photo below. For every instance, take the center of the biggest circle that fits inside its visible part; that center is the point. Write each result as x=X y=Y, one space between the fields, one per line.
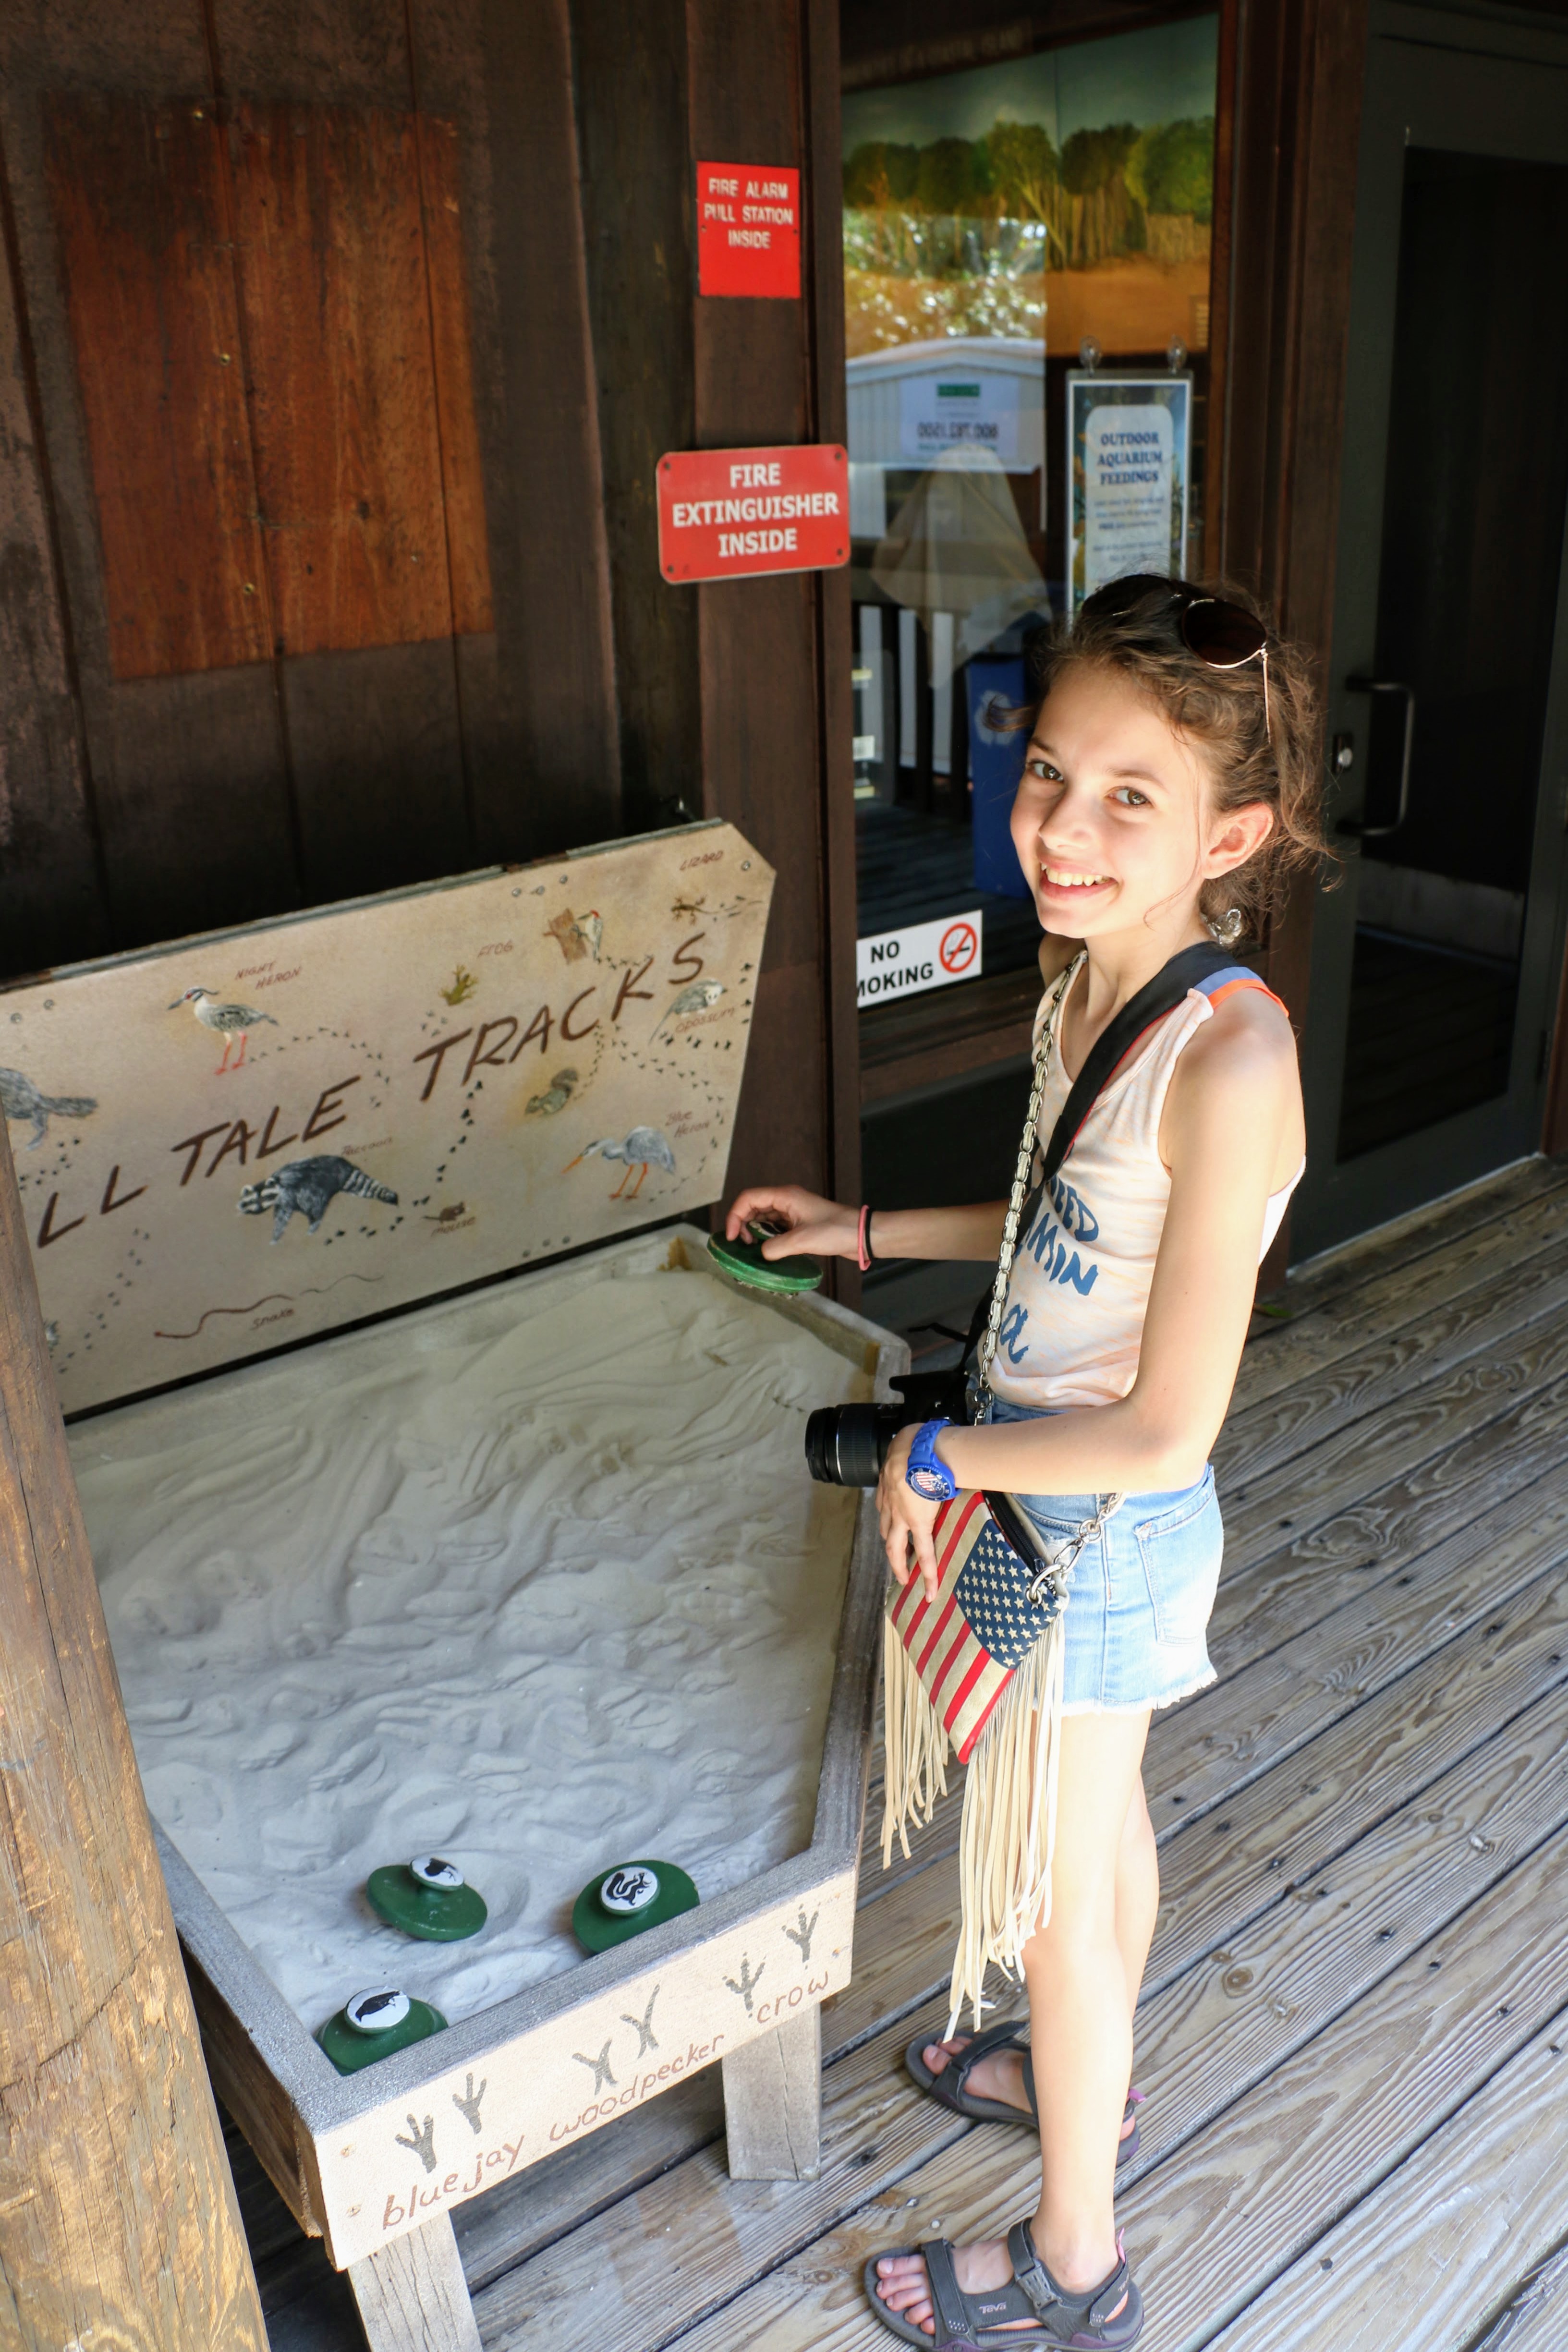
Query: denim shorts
x=1139 y=1593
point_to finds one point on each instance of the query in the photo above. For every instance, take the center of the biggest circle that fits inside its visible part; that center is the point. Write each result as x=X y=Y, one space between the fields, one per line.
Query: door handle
x=1387 y=686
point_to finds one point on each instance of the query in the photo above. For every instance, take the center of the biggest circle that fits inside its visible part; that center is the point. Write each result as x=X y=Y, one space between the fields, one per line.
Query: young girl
x=1169 y=783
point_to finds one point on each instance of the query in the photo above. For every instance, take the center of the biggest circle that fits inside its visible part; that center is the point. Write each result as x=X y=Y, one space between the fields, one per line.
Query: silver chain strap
x=1020 y=1192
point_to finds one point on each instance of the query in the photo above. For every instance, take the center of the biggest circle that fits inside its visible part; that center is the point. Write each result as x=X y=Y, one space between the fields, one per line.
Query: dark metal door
x=1436 y=956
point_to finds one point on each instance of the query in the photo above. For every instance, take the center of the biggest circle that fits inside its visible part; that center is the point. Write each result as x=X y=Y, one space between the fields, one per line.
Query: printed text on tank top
x=1073 y=1320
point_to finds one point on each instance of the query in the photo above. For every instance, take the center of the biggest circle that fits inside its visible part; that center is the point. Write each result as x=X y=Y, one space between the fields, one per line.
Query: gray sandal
x=948 y=2087
x=973 y=2321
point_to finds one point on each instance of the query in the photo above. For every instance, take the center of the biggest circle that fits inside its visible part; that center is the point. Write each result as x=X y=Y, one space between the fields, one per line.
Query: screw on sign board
x=725 y=513
x=748 y=230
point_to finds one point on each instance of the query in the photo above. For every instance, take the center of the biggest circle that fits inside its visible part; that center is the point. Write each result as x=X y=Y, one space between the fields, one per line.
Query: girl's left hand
x=906 y=1518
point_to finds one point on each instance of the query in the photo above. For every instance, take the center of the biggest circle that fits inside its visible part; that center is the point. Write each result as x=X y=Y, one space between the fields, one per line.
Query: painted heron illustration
x=643 y=1149
x=228 y=1020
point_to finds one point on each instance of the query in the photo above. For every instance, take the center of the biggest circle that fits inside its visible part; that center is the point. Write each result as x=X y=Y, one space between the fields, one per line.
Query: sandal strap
x=1008 y=2035
x=955 y=2332
x=1030 y=2270
x=1042 y=2290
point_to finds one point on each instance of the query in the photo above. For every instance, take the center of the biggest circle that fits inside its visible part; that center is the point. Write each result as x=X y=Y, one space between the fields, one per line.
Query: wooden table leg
x=773 y=2102
x=412 y=2295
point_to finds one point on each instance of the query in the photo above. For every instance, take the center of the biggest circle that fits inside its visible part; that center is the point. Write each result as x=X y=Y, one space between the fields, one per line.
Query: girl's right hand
x=815 y=1227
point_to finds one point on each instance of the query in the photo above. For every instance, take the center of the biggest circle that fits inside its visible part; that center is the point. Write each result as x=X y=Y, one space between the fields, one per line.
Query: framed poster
x=1129 y=447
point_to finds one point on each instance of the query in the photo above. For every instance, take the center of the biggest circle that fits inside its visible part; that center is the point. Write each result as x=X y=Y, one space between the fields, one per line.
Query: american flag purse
x=979 y=1669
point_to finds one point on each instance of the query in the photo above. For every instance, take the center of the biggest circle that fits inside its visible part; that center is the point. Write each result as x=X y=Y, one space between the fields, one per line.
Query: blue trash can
x=996 y=687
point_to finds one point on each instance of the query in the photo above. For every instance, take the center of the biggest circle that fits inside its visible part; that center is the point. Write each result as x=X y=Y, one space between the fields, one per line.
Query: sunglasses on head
x=1223 y=636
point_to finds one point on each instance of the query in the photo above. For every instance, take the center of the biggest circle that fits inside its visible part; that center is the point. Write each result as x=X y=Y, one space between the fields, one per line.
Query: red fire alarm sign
x=726 y=512
x=748 y=229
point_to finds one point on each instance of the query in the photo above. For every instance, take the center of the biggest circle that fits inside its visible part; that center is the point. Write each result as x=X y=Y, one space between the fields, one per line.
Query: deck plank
x=902 y=1958
x=1227 y=2023
x=1331 y=1314
x=1264 y=2180
x=1242 y=1726
x=1266 y=1436
x=1482 y=2196
x=1536 y=2317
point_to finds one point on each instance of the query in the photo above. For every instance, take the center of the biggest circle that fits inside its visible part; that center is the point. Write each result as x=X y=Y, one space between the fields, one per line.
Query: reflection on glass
x=1472 y=534
x=995 y=219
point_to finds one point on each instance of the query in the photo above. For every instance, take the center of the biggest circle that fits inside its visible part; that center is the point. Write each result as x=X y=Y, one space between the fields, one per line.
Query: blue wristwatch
x=927 y=1473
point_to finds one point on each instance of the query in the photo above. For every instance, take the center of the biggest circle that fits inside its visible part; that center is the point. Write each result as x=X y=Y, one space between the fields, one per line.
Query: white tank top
x=1073 y=1320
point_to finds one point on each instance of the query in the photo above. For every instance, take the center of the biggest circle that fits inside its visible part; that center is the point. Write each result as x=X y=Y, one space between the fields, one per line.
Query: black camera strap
x=1141 y=1013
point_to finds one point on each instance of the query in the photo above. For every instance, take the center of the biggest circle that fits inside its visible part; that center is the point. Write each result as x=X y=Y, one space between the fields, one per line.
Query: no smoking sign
x=921 y=956
x=957 y=947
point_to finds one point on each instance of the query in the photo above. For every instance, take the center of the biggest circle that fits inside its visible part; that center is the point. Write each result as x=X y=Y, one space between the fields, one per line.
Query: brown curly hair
x=1134 y=626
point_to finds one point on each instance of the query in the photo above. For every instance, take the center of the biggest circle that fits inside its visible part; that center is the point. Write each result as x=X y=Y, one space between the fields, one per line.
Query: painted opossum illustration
x=20 y=1099
x=309 y=1186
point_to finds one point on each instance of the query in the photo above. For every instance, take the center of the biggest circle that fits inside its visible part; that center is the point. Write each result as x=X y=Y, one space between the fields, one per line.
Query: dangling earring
x=1228 y=927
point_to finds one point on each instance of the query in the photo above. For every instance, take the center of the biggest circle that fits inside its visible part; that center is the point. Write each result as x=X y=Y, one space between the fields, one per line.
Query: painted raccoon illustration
x=20 y=1099
x=310 y=1186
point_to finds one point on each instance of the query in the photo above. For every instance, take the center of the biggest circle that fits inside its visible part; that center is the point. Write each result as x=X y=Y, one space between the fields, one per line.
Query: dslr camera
x=847 y=1445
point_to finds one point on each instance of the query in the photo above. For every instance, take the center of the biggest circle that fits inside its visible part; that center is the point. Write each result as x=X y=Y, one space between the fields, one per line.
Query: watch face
x=928 y=1483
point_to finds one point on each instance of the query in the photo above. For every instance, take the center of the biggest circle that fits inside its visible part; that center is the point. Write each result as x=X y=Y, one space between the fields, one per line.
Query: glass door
x=1436 y=955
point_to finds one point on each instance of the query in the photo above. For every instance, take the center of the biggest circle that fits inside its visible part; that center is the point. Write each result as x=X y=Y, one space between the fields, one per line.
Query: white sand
x=536 y=1579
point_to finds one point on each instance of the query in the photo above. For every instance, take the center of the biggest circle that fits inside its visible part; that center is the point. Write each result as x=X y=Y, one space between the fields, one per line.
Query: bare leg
x=1137 y=1892
x=1001 y=2076
x=620 y=1187
x=1080 y=2020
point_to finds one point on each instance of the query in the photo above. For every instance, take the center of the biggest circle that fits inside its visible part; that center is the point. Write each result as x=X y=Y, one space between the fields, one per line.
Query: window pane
x=997 y=220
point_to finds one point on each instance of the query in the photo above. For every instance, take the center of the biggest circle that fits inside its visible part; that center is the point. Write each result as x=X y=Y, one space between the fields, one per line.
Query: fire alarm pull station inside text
x=748 y=230
x=921 y=956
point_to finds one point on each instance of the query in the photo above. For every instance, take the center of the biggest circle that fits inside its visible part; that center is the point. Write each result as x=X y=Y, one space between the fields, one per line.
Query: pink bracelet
x=863 y=1240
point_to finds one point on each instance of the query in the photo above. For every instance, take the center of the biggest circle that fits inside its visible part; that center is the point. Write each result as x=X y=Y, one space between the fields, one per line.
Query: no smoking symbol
x=959 y=948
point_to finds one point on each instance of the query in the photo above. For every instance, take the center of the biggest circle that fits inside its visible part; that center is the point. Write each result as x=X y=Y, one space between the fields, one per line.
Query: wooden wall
x=338 y=341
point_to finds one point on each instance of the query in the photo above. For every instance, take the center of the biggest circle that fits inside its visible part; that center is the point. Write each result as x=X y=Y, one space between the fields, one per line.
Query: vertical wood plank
x=1297 y=126
x=447 y=274
x=53 y=904
x=824 y=253
x=189 y=779
x=335 y=284
x=632 y=123
x=330 y=243
x=762 y=641
x=118 y=2220
x=538 y=696
x=138 y=211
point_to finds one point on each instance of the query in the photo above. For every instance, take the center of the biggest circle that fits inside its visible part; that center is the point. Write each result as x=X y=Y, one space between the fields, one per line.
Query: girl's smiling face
x=1113 y=822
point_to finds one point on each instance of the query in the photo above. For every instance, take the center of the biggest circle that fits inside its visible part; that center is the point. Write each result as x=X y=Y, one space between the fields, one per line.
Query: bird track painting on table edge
x=451 y=1066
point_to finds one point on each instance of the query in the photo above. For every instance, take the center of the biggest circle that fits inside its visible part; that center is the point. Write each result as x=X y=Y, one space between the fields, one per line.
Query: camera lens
x=847 y=1445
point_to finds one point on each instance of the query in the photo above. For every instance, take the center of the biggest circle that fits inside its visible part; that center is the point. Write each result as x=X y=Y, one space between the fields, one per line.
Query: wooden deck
x=1354 y=2033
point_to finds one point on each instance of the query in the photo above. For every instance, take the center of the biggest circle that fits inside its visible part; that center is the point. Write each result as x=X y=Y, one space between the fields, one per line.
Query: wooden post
x=118 y=2220
x=412 y=2295
x=773 y=2102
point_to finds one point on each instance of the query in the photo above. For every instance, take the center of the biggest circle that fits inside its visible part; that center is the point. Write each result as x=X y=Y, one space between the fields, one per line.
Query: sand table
x=536 y=1579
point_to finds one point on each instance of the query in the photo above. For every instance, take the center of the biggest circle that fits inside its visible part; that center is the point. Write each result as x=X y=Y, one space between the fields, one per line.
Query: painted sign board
x=1129 y=447
x=727 y=514
x=921 y=956
x=248 y=1137
x=748 y=229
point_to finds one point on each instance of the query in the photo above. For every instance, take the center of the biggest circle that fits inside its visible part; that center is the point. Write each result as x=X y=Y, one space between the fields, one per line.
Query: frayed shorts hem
x=1140 y=1706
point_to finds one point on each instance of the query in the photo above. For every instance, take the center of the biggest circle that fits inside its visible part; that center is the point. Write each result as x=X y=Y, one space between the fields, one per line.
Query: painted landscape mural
x=1056 y=196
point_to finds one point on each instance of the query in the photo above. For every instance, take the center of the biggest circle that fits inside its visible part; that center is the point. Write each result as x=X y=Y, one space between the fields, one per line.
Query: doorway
x=1437 y=945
